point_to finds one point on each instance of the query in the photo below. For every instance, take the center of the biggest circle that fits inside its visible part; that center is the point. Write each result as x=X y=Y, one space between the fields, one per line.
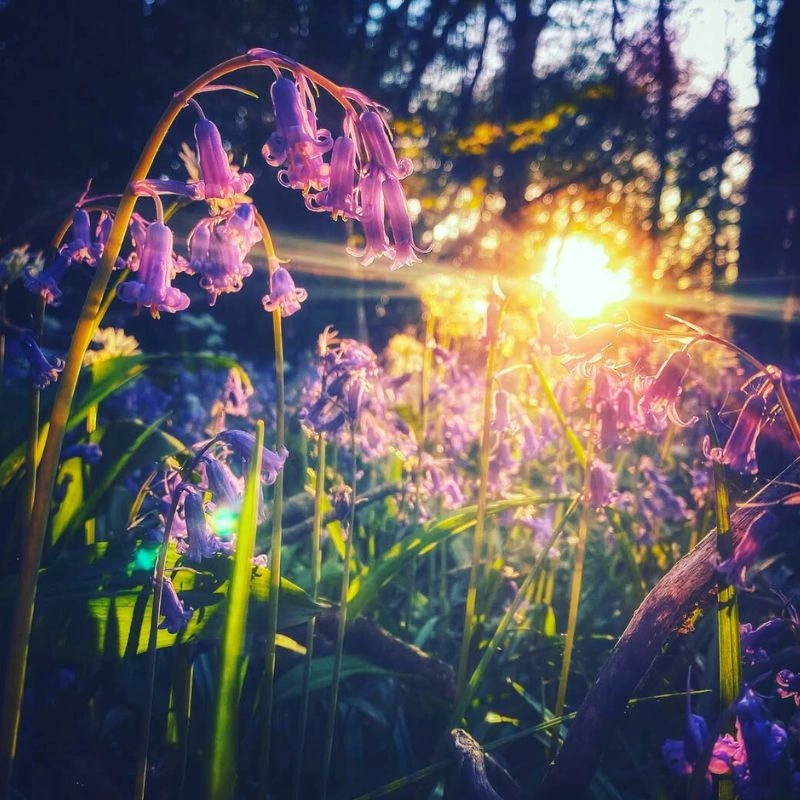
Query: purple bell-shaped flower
x=283 y=294
x=338 y=199
x=217 y=180
x=297 y=142
x=156 y=266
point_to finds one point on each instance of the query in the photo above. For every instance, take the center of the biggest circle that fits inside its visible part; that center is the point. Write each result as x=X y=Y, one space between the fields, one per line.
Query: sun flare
x=576 y=271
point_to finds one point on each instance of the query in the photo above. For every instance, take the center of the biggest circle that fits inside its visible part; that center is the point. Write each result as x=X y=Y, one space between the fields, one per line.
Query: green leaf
x=98 y=382
x=290 y=684
x=364 y=587
x=96 y=602
x=226 y=711
x=126 y=445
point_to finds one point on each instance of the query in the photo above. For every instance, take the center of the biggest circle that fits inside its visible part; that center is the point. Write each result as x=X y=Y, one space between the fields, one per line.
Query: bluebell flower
x=659 y=399
x=379 y=191
x=176 y=616
x=43 y=372
x=47 y=281
x=156 y=267
x=283 y=294
x=762 y=746
x=218 y=247
x=88 y=452
x=756 y=641
x=338 y=198
x=217 y=180
x=297 y=143
x=225 y=487
x=602 y=484
x=739 y=452
x=242 y=444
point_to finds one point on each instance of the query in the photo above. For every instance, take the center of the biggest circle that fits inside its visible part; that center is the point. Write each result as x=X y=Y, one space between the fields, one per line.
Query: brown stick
x=690 y=585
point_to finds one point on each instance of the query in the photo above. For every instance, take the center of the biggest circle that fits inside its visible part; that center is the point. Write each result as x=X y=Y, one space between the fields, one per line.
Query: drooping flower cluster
x=362 y=152
x=218 y=247
x=84 y=246
x=207 y=504
x=156 y=265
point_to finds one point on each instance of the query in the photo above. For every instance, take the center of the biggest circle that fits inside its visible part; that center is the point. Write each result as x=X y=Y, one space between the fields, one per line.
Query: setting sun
x=576 y=271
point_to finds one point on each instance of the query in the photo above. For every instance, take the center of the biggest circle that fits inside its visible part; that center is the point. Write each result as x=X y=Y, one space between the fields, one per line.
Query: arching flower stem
x=267 y=679
x=35 y=532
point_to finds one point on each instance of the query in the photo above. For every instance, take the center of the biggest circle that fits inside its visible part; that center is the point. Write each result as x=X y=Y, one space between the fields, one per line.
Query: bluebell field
x=505 y=553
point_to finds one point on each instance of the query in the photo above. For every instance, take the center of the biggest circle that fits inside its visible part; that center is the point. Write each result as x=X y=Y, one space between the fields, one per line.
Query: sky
x=704 y=28
x=704 y=31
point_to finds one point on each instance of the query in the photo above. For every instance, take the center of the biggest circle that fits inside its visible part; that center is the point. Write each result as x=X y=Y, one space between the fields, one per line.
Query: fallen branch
x=690 y=585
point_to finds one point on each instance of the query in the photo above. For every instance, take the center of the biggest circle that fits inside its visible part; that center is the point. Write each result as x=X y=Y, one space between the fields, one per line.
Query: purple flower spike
x=217 y=180
x=176 y=617
x=376 y=243
x=379 y=148
x=283 y=294
x=156 y=264
x=660 y=397
x=338 y=199
x=739 y=452
x=297 y=142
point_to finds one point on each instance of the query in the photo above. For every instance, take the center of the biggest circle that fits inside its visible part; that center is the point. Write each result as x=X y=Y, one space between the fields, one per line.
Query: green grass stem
x=268 y=679
x=316 y=567
x=728 y=642
x=470 y=615
x=222 y=781
x=330 y=727
x=577 y=579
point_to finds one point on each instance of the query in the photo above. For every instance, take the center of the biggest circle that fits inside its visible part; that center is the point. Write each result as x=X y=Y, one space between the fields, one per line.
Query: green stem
x=464 y=699
x=84 y=329
x=316 y=568
x=330 y=727
x=268 y=677
x=730 y=659
x=470 y=617
x=3 y=293
x=223 y=771
x=570 y=434
x=274 y=565
x=150 y=668
x=32 y=447
x=577 y=579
